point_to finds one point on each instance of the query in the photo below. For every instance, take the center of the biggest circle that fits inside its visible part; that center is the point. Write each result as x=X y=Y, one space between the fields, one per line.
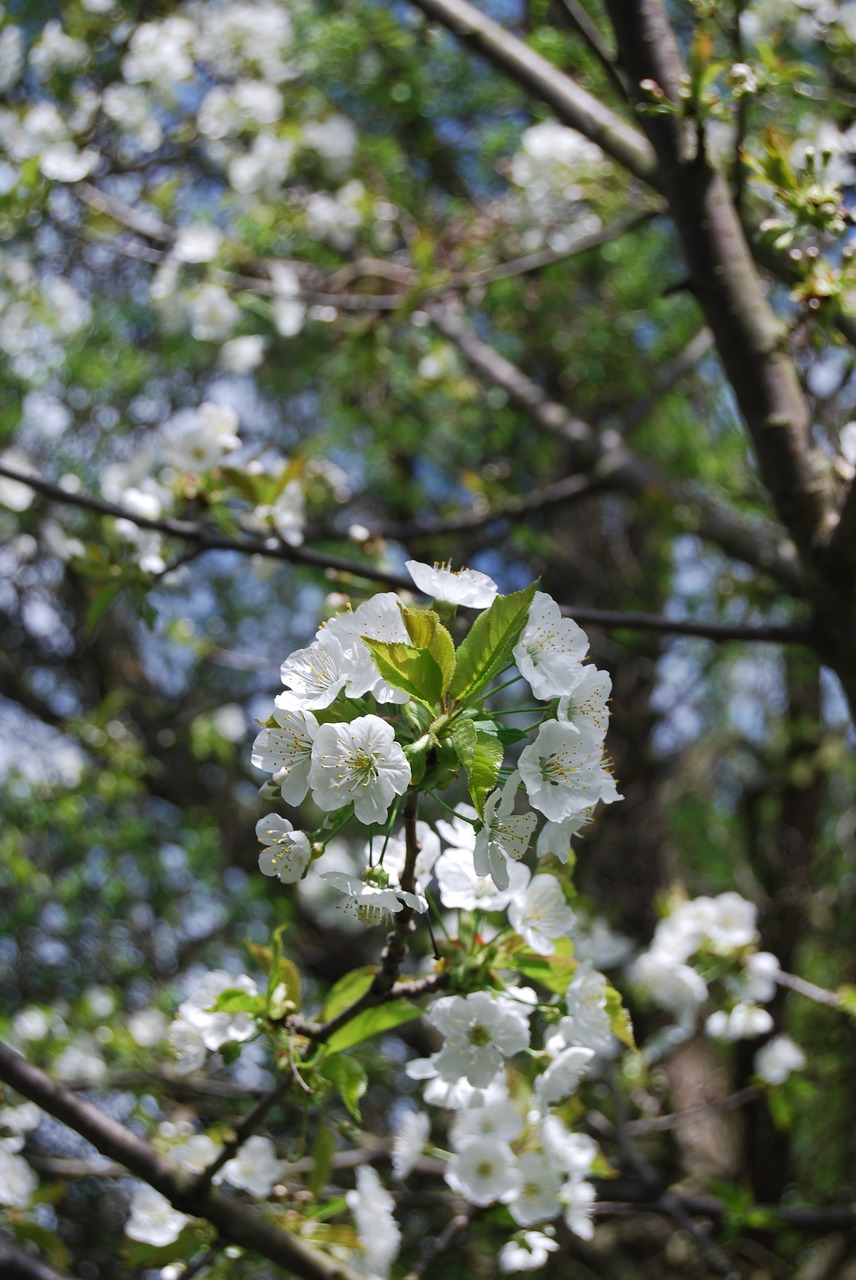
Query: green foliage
x=486 y=651
x=349 y=1080
x=409 y=668
x=372 y=1022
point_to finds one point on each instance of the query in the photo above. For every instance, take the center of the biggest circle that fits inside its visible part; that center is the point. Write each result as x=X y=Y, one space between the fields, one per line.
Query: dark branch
x=211 y=540
x=235 y=1222
x=572 y=104
x=606 y=458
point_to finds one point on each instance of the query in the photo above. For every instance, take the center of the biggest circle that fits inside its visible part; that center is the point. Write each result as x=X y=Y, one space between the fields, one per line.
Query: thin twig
x=236 y=1222
x=210 y=539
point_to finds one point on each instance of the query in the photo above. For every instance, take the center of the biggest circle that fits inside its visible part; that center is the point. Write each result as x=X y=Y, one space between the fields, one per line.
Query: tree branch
x=210 y=540
x=572 y=104
x=235 y=1222
x=725 y=282
x=17 y=1264
x=606 y=458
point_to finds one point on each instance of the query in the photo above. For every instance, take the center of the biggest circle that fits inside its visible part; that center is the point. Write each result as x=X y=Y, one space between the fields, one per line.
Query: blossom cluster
x=720 y=935
x=364 y=760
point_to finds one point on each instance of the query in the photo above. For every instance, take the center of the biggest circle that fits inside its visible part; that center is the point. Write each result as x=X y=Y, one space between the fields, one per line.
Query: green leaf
x=372 y=1022
x=487 y=648
x=554 y=972
x=427 y=632
x=234 y=1000
x=619 y=1018
x=349 y=1080
x=464 y=741
x=283 y=973
x=408 y=668
x=323 y=1150
x=347 y=991
x=483 y=773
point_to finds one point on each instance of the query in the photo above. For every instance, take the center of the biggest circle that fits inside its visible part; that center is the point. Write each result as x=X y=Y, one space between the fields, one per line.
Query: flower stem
x=472 y=821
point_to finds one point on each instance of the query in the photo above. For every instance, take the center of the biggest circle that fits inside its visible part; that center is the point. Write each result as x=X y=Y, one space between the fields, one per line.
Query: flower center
x=364 y=767
x=555 y=770
x=478 y=1035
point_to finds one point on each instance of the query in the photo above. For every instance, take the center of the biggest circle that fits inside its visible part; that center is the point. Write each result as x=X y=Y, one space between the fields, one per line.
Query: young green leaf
x=483 y=772
x=347 y=991
x=487 y=649
x=323 y=1150
x=619 y=1018
x=348 y=1079
x=464 y=741
x=372 y=1022
x=427 y=632
x=234 y=1000
x=554 y=972
x=408 y=668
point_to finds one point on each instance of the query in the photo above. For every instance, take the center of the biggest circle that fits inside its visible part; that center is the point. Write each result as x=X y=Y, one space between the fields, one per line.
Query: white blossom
x=197 y=1027
x=378 y=618
x=563 y=772
x=14 y=494
x=484 y=1170
x=213 y=314
x=573 y=1153
x=198 y=242
x=378 y=1232
x=500 y=1120
x=504 y=834
x=408 y=1141
x=587 y=1022
x=196 y=1153
x=373 y=902
x=465 y=587
x=159 y=53
x=18 y=1182
x=395 y=853
x=743 y=1022
x=359 y=762
x=586 y=707
x=286 y=852
x=244 y=354
x=11 y=56
x=775 y=1061
x=555 y=837
x=563 y=1074
x=550 y=650
x=462 y=888
x=147 y=1027
x=285 y=750
x=578 y=1199
x=314 y=675
x=529 y=1252
x=541 y=914
x=255 y=1168
x=153 y=1219
x=199 y=441
x=670 y=984
x=758 y=982
x=479 y=1033
x=538 y=1197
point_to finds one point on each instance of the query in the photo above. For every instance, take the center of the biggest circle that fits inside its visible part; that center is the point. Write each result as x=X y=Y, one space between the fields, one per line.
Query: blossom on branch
x=286 y=852
x=465 y=587
x=359 y=762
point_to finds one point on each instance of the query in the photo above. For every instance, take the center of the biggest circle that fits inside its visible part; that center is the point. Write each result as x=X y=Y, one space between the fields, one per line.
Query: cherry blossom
x=465 y=587
x=479 y=1033
x=550 y=650
x=359 y=762
x=286 y=852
